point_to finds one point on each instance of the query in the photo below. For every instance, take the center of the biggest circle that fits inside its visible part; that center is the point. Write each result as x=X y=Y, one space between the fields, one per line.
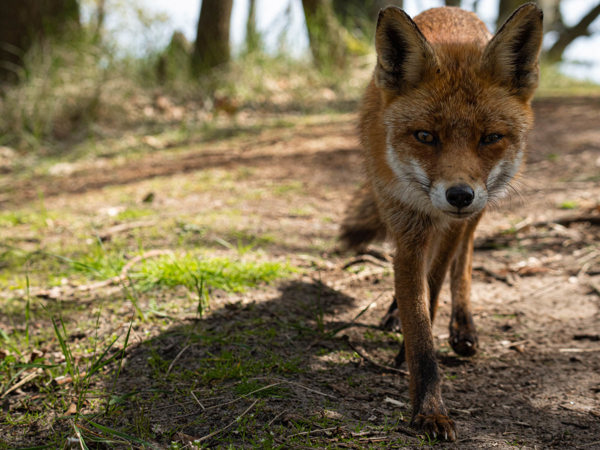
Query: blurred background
x=71 y=70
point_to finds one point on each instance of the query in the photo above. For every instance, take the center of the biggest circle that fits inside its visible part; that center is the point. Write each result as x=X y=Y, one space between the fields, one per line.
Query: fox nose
x=460 y=195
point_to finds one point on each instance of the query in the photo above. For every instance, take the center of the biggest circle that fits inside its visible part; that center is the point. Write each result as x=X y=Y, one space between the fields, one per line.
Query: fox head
x=454 y=104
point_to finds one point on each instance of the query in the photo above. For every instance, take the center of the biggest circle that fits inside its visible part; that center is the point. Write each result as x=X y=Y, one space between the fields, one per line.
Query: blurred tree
x=24 y=22
x=253 y=41
x=361 y=15
x=211 y=48
x=553 y=22
x=506 y=8
x=327 y=37
x=566 y=35
x=452 y=2
x=174 y=60
x=99 y=16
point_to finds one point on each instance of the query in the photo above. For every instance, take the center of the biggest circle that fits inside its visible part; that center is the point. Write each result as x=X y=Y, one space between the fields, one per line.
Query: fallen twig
x=241 y=397
x=359 y=276
x=374 y=363
x=566 y=221
x=318 y=431
x=277 y=416
x=495 y=275
x=176 y=358
x=311 y=390
x=294 y=383
x=595 y=288
x=198 y=401
x=109 y=232
x=229 y=425
x=352 y=323
x=366 y=258
x=502 y=238
x=578 y=350
x=25 y=380
x=586 y=337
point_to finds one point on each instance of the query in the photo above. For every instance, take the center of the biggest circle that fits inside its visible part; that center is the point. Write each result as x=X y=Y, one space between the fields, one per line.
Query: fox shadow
x=262 y=372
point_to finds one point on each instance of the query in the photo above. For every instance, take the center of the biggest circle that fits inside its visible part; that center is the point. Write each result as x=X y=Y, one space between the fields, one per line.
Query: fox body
x=443 y=124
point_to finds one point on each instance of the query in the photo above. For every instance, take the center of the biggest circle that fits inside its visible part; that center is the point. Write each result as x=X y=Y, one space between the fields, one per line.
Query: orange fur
x=443 y=124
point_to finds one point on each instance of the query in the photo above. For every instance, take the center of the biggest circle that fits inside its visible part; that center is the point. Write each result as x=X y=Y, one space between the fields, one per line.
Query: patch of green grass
x=97 y=262
x=13 y=218
x=134 y=213
x=504 y=316
x=37 y=220
x=246 y=240
x=569 y=204
x=288 y=188
x=301 y=212
x=231 y=275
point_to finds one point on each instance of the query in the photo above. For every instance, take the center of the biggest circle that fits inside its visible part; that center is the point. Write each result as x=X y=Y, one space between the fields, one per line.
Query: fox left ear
x=512 y=54
x=403 y=53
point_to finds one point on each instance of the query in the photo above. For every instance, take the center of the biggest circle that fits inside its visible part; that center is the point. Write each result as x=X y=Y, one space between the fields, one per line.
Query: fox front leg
x=463 y=335
x=411 y=287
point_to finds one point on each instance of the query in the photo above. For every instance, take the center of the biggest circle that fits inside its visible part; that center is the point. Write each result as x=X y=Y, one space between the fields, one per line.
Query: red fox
x=443 y=125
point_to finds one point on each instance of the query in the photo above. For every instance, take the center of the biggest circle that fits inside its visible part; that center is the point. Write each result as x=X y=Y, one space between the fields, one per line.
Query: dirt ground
x=536 y=299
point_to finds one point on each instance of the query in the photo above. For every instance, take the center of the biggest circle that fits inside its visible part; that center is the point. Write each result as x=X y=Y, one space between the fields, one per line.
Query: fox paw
x=464 y=342
x=436 y=426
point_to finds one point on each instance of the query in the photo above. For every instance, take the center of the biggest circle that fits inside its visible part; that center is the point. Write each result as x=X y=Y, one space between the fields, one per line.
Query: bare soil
x=536 y=299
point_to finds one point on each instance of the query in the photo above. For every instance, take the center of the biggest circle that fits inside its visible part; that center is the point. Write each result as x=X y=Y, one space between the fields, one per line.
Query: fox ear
x=403 y=53
x=512 y=54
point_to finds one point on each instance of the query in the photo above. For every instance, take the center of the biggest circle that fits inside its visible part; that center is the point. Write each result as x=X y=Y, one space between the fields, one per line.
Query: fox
x=443 y=127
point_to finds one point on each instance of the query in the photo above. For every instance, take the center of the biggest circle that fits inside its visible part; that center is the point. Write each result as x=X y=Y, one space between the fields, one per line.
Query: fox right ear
x=512 y=54
x=403 y=53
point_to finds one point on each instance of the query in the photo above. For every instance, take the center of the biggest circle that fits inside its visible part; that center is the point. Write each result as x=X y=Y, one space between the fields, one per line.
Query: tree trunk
x=23 y=22
x=505 y=9
x=361 y=14
x=452 y=2
x=252 y=36
x=552 y=16
x=99 y=19
x=325 y=34
x=212 y=38
x=569 y=34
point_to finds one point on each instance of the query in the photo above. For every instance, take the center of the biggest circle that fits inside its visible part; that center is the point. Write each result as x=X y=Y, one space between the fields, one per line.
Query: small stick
x=320 y=430
x=504 y=278
x=578 y=350
x=233 y=422
x=220 y=405
x=277 y=416
x=358 y=276
x=198 y=401
x=374 y=363
x=311 y=390
x=176 y=358
x=107 y=234
x=365 y=259
x=25 y=380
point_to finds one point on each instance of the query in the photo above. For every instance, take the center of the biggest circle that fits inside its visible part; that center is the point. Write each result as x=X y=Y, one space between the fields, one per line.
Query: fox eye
x=425 y=137
x=491 y=138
